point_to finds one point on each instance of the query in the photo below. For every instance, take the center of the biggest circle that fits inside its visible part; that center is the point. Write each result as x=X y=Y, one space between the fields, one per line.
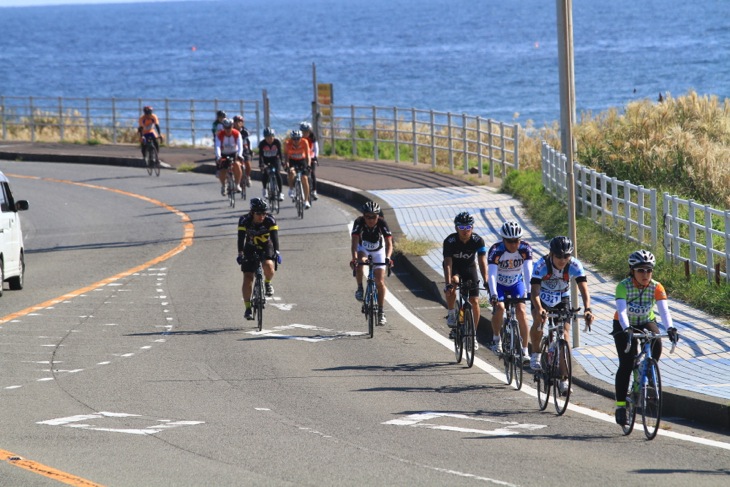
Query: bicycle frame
x=370 y=298
x=512 y=343
x=273 y=188
x=555 y=361
x=299 y=193
x=151 y=156
x=258 y=297
x=465 y=331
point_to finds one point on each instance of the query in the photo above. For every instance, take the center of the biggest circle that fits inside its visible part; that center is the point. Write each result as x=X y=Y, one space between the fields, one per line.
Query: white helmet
x=511 y=229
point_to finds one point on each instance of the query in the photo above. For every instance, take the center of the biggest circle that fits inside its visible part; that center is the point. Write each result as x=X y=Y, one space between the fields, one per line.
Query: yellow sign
x=324 y=98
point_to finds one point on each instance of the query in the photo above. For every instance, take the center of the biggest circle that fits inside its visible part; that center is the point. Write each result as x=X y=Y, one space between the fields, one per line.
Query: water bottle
x=461 y=316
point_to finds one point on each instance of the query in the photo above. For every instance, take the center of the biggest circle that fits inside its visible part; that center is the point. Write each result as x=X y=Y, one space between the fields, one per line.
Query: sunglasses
x=371 y=217
x=259 y=212
x=464 y=227
x=644 y=270
x=562 y=256
x=511 y=240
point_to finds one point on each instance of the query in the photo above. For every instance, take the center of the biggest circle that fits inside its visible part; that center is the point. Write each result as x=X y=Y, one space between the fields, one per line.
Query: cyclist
x=298 y=157
x=371 y=236
x=270 y=155
x=218 y=122
x=257 y=232
x=635 y=299
x=510 y=271
x=463 y=250
x=238 y=125
x=149 y=128
x=308 y=134
x=550 y=290
x=228 y=142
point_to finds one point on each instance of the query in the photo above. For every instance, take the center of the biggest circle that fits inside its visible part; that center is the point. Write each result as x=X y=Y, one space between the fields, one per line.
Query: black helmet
x=296 y=134
x=464 y=218
x=371 y=207
x=257 y=204
x=220 y=114
x=227 y=123
x=269 y=132
x=511 y=229
x=147 y=110
x=642 y=258
x=560 y=246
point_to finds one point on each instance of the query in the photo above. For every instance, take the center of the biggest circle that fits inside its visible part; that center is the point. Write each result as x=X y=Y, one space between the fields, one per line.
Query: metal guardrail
x=115 y=119
x=425 y=136
x=696 y=234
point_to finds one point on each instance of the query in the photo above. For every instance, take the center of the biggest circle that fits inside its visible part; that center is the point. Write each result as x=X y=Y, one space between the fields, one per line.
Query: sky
x=37 y=3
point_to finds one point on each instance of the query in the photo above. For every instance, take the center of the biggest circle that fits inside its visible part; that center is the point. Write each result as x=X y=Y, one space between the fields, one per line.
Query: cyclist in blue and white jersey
x=463 y=251
x=510 y=271
x=550 y=290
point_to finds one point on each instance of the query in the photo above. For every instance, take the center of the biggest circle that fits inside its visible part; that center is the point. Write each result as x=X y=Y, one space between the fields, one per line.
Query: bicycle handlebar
x=368 y=262
x=644 y=335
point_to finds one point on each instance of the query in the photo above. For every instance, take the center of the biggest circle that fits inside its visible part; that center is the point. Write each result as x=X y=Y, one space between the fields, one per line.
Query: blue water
x=496 y=59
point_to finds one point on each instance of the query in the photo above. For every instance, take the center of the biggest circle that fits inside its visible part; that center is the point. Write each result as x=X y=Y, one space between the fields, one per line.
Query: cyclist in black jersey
x=270 y=154
x=247 y=153
x=463 y=251
x=371 y=236
x=257 y=232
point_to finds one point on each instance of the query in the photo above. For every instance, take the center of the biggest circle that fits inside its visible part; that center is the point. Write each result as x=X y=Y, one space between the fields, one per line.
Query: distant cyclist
x=308 y=134
x=371 y=236
x=463 y=251
x=510 y=271
x=550 y=290
x=149 y=128
x=270 y=155
x=228 y=143
x=298 y=157
x=636 y=297
x=218 y=122
x=247 y=153
x=257 y=233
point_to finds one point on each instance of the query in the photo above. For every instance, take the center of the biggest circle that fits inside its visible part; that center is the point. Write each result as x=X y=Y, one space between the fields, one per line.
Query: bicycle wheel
x=543 y=379
x=156 y=159
x=231 y=191
x=458 y=343
x=469 y=336
x=631 y=398
x=563 y=372
x=651 y=400
x=273 y=191
x=517 y=355
x=259 y=302
x=299 y=195
x=371 y=310
x=506 y=352
x=147 y=160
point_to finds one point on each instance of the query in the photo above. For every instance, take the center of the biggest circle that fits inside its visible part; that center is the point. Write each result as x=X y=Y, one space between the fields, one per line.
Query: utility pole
x=567 y=121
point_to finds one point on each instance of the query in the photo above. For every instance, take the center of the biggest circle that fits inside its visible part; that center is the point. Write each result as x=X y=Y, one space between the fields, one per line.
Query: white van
x=12 y=251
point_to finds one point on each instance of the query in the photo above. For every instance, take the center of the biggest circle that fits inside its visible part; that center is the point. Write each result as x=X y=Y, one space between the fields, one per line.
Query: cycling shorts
x=378 y=255
x=299 y=165
x=517 y=290
x=250 y=262
x=469 y=274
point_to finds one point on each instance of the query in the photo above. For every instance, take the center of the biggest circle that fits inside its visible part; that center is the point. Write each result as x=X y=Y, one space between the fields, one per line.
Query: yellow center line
x=185 y=242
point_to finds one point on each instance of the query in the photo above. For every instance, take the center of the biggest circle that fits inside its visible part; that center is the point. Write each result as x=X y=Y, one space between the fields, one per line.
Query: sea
x=495 y=59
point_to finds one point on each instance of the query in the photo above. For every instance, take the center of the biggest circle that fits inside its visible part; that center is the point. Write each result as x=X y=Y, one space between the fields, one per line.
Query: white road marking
x=426 y=420
x=101 y=422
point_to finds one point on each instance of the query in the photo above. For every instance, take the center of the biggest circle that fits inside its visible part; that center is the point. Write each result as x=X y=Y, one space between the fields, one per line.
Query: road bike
x=645 y=392
x=258 y=297
x=370 y=297
x=465 y=330
x=299 y=194
x=512 y=353
x=150 y=156
x=272 y=188
x=555 y=361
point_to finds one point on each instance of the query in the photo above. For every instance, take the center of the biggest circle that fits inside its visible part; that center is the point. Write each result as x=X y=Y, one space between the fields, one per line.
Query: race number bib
x=550 y=298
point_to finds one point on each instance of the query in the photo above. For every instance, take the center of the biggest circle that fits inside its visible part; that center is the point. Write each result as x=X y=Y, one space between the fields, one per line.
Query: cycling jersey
x=373 y=238
x=264 y=236
x=297 y=152
x=228 y=144
x=640 y=301
x=313 y=145
x=509 y=268
x=463 y=254
x=555 y=283
x=269 y=153
x=149 y=124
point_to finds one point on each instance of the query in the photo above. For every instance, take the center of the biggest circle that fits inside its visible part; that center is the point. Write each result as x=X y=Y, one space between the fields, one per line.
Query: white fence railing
x=115 y=119
x=692 y=233
x=425 y=136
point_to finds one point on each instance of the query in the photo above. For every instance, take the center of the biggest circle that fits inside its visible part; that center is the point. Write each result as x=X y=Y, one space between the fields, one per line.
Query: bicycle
x=555 y=361
x=512 y=353
x=258 y=298
x=299 y=194
x=645 y=392
x=370 y=298
x=273 y=189
x=150 y=156
x=465 y=331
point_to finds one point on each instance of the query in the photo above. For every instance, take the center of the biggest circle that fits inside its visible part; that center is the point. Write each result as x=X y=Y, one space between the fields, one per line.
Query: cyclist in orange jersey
x=149 y=127
x=298 y=157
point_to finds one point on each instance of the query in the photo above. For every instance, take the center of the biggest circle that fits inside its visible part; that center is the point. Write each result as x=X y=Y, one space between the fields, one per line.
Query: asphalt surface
x=420 y=204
